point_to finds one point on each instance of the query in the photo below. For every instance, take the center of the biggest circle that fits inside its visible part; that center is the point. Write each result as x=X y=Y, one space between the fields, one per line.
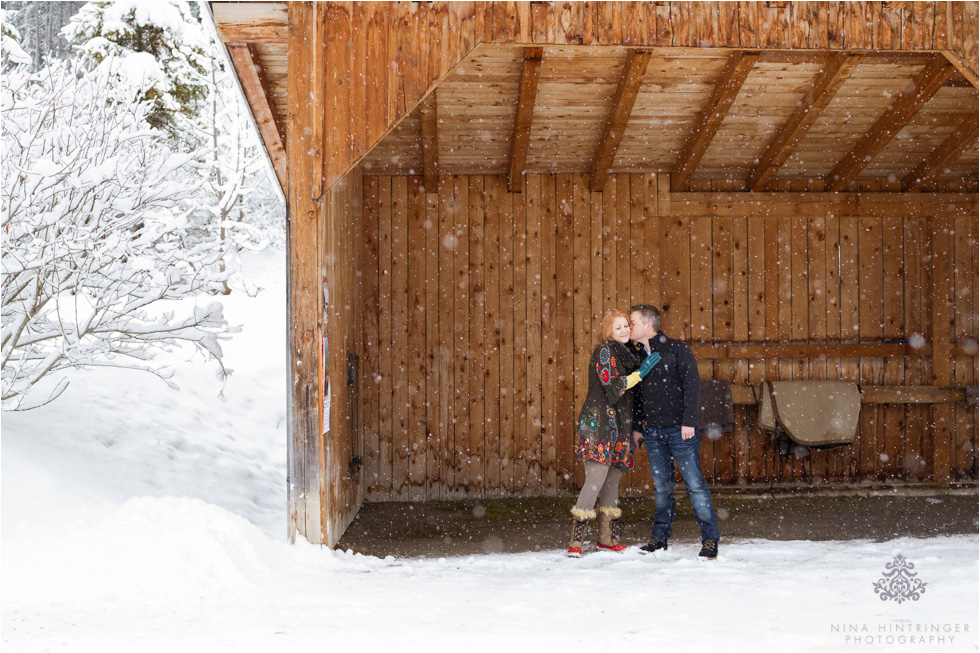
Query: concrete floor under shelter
x=450 y=528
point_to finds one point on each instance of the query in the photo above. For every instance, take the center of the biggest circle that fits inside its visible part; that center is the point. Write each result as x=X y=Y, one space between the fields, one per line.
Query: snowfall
x=140 y=518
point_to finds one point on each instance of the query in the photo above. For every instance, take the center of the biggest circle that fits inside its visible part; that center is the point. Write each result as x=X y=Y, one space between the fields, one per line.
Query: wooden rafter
x=837 y=68
x=430 y=143
x=927 y=171
x=253 y=33
x=936 y=73
x=712 y=115
x=522 y=118
x=969 y=75
x=257 y=92
x=629 y=85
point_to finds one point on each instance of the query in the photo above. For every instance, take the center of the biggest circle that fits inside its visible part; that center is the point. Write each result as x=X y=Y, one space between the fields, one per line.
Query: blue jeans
x=664 y=446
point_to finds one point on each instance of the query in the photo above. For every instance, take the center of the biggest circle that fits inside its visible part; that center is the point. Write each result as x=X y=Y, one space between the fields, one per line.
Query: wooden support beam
x=430 y=143
x=866 y=205
x=522 y=118
x=877 y=394
x=712 y=115
x=257 y=33
x=243 y=22
x=936 y=73
x=256 y=87
x=927 y=171
x=629 y=85
x=837 y=68
x=923 y=394
x=305 y=225
x=758 y=352
x=713 y=351
x=962 y=67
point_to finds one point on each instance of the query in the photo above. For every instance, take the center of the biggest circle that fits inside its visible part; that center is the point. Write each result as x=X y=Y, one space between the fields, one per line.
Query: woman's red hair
x=606 y=326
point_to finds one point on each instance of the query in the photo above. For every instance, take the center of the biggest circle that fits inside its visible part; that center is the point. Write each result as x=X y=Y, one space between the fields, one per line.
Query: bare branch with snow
x=95 y=254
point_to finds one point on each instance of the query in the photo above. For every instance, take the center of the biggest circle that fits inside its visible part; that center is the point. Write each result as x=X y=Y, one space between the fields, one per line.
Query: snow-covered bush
x=93 y=233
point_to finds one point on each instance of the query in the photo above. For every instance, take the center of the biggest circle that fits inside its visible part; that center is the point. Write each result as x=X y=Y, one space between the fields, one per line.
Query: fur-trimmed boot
x=580 y=526
x=610 y=529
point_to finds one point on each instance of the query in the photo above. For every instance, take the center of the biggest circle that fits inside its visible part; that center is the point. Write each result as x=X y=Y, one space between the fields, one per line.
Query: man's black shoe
x=653 y=546
x=709 y=549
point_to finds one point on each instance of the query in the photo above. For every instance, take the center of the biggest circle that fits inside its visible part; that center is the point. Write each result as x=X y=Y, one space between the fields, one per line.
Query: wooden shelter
x=470 y=185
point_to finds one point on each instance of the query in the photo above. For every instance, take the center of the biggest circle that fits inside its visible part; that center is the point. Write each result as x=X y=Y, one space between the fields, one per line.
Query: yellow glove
x=633 y=379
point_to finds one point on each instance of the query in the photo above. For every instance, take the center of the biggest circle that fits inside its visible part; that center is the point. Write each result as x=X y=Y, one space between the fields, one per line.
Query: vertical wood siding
x=347 y=329
x=485 y=326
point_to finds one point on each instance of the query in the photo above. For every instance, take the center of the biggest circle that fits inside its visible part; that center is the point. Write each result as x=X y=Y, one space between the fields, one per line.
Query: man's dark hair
x=649 y=313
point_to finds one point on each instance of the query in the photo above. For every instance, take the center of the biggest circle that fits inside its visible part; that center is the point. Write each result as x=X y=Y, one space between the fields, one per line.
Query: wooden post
x=941 y=282
x=305 y=225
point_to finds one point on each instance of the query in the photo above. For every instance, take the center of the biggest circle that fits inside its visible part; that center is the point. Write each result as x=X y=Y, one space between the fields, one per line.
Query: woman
x=604 y=436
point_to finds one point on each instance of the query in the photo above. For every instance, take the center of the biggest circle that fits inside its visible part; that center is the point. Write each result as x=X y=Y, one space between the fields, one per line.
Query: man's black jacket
x=670 y=393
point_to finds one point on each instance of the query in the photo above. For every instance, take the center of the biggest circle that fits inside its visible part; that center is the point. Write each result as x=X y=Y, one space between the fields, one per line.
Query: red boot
x=580 y=524
x=610 y=530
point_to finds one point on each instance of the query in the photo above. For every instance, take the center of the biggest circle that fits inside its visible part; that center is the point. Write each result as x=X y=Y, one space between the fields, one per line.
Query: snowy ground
x=137 y=518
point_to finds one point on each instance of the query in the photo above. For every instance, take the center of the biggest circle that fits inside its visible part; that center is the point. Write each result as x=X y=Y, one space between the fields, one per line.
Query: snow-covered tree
x=237 y=205
x=12 y=52
x=195 y=100
x=165 y=33
x=39 y=26
x=94 y=246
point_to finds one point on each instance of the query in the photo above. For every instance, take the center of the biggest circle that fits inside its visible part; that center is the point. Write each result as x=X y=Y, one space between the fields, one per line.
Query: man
x=665 y=408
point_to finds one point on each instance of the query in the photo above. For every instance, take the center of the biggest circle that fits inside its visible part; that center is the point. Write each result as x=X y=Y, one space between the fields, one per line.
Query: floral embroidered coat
x=605 y=423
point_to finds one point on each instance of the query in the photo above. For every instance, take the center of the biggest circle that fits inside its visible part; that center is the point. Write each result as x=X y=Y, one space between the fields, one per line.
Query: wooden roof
x=476 y=106
x=828 y=117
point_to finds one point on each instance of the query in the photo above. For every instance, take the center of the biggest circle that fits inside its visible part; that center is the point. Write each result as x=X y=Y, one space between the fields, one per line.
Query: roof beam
x=430 y=143
x=936 y=73
x=257 y=92
x=522 y=118
x=712 y=115
x=927 y=171
x=837 y=68
x=253 y=33
x=629 y=85
x=963 y=69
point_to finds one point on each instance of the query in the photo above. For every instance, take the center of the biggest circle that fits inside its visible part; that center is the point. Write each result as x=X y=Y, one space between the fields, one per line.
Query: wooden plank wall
x=375 y=62
x=326 y=245
x=391 y=54
x=343 y=245
x=486 y=302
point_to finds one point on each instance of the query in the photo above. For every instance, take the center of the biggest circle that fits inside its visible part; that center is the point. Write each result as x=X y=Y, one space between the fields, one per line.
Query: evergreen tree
x=175 y=74
x=13 y=53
